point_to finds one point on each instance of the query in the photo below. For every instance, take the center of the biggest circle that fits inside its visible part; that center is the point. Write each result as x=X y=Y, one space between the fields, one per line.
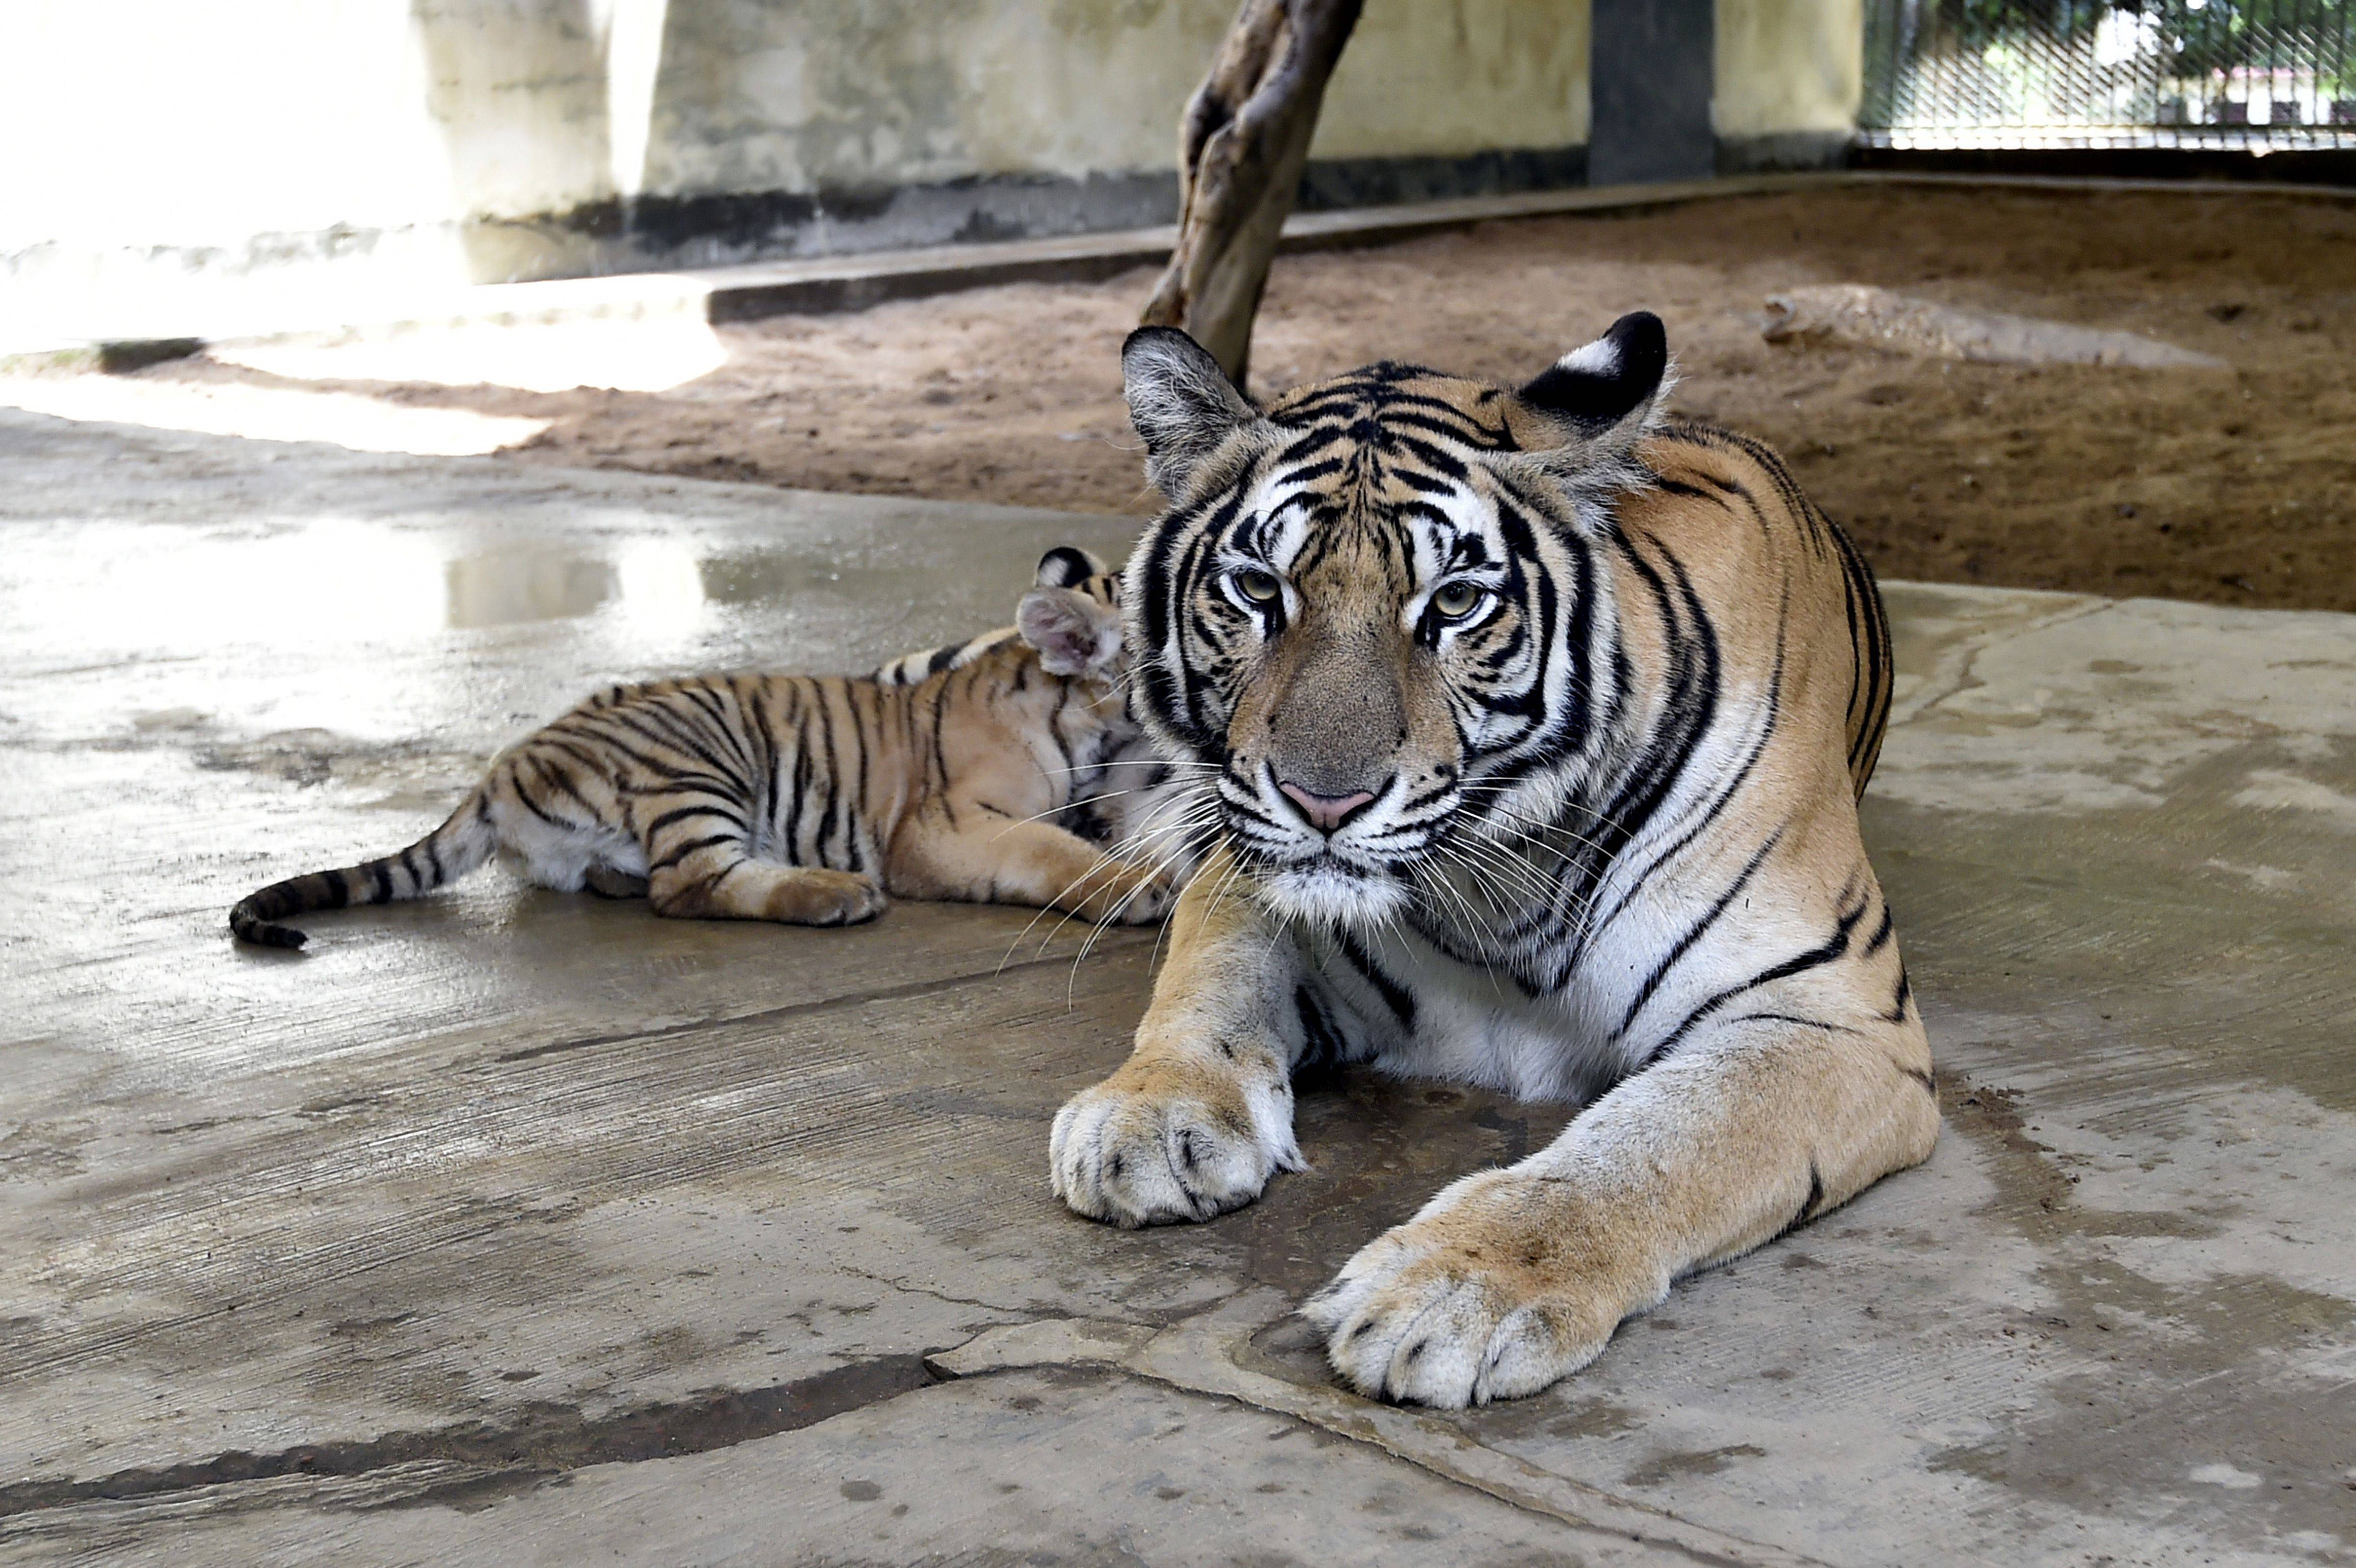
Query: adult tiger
x=1534 y=723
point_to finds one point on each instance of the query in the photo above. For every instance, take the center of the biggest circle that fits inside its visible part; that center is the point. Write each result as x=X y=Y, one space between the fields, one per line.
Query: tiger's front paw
x=1501 y=1286
x=1169 y=1140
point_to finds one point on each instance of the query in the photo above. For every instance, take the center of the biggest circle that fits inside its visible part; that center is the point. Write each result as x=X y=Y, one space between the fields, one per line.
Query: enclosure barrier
x=2249 y=75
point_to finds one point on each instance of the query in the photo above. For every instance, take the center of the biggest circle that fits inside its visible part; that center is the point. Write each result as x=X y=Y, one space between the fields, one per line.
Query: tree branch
x=1242 y=143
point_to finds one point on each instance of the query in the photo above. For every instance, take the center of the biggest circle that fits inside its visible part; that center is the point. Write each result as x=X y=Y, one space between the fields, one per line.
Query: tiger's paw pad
x=826 y=898
x=1164 y=1145
x=1485 y=1295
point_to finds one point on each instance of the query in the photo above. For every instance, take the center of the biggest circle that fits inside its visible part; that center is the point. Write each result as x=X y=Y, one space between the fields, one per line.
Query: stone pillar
x=1653 y=69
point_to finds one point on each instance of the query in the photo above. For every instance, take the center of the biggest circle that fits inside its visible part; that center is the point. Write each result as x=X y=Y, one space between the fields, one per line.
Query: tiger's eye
x=1259 y=587
x=1458 y=600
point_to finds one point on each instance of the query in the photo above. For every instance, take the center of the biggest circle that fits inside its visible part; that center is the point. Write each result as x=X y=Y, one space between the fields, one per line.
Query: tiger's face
x=1371 y=613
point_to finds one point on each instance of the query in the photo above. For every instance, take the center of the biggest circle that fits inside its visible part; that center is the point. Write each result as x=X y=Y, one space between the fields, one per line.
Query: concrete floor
x=517 y=1228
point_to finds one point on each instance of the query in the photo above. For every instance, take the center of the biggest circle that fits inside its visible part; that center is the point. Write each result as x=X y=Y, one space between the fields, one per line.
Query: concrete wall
x=1789 y=76
x=341 y=146
x=1458 y=76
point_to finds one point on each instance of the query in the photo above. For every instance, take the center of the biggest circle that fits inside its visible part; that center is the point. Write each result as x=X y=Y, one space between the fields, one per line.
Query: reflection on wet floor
x=503 y=587
x=768 y=577
x=363 y=579
x=663 y=587
x=662 y=583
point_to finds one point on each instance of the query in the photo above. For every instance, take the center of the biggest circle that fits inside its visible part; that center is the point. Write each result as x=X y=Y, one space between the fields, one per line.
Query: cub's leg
x=1201 y=1114
x=986 y=857
x=746 y=889
x=1786 y=1100
x=698 y=868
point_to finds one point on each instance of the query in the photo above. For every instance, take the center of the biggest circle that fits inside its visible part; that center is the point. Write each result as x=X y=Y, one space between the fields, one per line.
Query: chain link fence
x=2233 y=75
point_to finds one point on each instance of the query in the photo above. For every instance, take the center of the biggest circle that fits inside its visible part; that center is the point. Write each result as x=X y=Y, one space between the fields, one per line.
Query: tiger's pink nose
x=1326 y=813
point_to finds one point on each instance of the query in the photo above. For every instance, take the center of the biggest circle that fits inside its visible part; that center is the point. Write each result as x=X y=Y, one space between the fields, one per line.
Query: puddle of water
x=662 y=587
x=503 y=587
x=109 y=588
x=770 y=577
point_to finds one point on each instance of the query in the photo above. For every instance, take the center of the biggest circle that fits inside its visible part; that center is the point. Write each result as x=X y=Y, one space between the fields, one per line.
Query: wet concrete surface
x=513 y=1227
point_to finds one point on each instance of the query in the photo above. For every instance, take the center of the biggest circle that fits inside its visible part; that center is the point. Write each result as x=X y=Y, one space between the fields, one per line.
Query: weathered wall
x=755 y=95
x=379 y=142
x=1789 y=76
x=223 y=138
x=846 y=95
x=1455 y=77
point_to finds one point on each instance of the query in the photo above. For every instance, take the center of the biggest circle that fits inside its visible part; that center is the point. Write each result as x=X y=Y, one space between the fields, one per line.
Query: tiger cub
x=807 y=799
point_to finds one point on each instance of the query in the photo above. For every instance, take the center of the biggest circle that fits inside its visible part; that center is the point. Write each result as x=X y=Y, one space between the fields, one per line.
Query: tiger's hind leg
x=740 y=888
x=699 y=865
x=756 y=890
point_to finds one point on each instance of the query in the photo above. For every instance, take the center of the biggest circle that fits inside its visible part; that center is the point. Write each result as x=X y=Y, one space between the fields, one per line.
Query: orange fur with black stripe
x=809 y=799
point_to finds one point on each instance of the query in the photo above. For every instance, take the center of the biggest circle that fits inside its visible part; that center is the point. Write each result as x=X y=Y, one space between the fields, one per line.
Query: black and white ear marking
x=1181 y=403
x=1067 y=566
x=1074 y=633
x=1609 y=386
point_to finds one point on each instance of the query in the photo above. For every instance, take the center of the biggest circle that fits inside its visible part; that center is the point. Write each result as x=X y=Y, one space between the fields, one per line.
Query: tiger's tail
x=461 y=843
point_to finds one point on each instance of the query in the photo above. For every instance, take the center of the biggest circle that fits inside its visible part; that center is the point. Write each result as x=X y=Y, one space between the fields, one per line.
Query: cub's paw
x=1148 y=902
x=813 y=897
x=1503 y=1284
x=1165 y=1141
x=1127 y=894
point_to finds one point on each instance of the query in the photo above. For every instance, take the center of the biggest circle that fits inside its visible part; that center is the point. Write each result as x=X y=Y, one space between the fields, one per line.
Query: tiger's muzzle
x=1343 y=764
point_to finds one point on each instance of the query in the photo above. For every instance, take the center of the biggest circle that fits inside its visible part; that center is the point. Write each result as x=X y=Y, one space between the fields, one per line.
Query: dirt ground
x=2234 y=486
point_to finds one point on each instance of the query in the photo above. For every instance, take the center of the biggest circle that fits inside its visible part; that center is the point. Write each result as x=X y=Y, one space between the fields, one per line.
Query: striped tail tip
x=247 y=926
x=464 y=841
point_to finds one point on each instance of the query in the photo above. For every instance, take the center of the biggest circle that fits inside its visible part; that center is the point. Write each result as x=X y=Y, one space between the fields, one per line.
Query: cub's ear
x=1599 y=396
x=1075 y=634
x=1181 y=403
x=1067 y=566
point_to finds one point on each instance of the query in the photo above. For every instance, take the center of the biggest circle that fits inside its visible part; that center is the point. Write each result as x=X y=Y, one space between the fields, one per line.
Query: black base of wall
x=1784 y=152
x=707 y=230
x=1331 y=183
x=2322 y=167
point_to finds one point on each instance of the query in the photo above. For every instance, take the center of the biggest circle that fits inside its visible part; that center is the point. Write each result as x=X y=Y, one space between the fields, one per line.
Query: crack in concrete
x=1195 y=1356
x=1968 y=677
x=1026 y=1314
x=541 y=1440
x=772 y=1015
x=1520 y=1500
x=1145 y=1320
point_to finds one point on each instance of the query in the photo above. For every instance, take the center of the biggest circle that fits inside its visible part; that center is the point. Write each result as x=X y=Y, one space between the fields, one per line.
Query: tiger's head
x=1372 y=610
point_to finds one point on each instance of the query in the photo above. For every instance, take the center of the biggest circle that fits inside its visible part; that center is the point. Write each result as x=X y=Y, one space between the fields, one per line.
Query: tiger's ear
x=1600 y=395
x=1074 y=633
x=1181 y=403
x=1067 y=566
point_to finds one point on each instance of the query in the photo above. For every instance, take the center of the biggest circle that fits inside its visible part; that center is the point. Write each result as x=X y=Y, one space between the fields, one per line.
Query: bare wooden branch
x=1241 y=147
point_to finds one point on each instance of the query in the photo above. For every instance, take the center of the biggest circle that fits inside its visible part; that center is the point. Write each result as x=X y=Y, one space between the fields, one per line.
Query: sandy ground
x=2236 y=487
